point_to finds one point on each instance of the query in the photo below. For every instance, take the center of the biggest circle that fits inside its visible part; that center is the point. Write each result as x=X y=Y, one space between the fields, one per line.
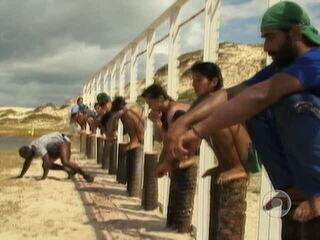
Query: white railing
x=106 y=79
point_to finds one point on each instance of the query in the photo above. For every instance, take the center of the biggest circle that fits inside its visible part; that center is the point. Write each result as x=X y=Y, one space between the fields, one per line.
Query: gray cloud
x=48 y=48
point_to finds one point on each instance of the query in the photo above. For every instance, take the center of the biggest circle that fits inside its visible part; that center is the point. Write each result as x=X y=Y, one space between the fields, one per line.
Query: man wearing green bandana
x=281 y=105
x=104 y=101
x=105 y=104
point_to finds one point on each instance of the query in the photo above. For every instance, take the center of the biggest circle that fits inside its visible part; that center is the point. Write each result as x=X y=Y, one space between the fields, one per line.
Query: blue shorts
x=288 y=143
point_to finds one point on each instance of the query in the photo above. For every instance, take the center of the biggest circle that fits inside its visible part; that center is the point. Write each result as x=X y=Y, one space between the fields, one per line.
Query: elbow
x=261 y=95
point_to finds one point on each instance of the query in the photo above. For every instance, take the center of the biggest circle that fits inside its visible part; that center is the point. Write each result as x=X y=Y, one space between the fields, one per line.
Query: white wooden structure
x=113 y=73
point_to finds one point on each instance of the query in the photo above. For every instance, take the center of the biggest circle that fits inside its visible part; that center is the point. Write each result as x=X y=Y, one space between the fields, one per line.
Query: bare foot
x=133 y=145
x=163 y=168
x=186 y=164
x=307 y=210
x=232 y=174
x=211 y=172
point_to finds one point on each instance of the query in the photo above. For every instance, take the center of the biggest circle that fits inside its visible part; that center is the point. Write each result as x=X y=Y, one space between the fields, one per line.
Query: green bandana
x=284 y=15
x=103 y=98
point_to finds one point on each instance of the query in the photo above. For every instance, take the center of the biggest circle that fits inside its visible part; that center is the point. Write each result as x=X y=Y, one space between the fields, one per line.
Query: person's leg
x=58 y=167
x=298 y=124
x=65 y=153
x=265 y=138
x=225 y=149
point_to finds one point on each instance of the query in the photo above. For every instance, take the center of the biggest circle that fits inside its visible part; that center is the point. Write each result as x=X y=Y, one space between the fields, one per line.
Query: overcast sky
x=48 y=48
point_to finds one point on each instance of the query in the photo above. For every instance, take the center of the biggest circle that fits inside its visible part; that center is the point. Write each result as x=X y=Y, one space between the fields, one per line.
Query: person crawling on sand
x=51 y=147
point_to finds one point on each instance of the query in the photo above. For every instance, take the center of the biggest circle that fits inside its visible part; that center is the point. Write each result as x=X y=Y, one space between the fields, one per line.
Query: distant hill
x=237 y=61
x=48 y=116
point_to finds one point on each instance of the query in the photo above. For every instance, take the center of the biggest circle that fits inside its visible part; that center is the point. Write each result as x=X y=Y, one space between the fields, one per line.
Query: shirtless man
x=230 y=145
x=91 y=117
x=50 y=147
x=164 y=111
x=131 y=118
x=281 y=104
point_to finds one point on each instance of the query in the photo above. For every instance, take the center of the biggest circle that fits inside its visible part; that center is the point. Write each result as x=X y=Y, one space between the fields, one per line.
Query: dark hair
x=78 y=99
x=118 y=103
x=210 y=70
x=155 y=91
x=23 y=150
x=96 y=104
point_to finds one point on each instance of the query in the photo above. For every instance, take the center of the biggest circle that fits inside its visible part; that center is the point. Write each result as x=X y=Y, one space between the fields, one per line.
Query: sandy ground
x=63 y=209
x=50 y=209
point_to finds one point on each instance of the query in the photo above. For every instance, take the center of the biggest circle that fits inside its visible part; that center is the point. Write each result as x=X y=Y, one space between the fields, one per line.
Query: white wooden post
x=93 y=94
x=133 y=73
x=108 y=81
x=84 y=92
x=99 y=85
x=89 y=93
x=269 y=227
x=148 y=136
x=113 y=82
x=104 y=80
x=207 y=158
x=173 y=84
x=121 y=93
x=173 y=54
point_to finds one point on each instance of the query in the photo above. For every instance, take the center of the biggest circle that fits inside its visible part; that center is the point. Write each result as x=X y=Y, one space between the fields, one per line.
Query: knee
x=293 y=100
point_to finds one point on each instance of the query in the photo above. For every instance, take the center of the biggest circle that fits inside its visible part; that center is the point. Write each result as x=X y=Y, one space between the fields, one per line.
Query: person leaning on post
x=281 y=105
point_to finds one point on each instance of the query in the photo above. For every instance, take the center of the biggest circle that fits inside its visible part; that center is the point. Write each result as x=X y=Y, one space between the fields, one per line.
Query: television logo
x=276 y=203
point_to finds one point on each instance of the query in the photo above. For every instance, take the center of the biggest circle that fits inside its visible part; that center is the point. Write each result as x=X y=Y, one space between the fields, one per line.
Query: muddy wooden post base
x=100 y=146
x=134 y=171
x=227 y=209
x=113 y=165
x=122 y=164
x=83 y=142
x=150 y=182
x=93 y=146
x=106 y=154
x=181 y=199
x=88 y=145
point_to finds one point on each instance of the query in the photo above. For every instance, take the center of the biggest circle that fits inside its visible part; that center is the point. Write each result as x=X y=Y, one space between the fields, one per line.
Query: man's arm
x=155 y=117
x=46 y=166
x=25 y=167
x=204 y=109
x=248 y=103
x=138 y=123
x=158 y=130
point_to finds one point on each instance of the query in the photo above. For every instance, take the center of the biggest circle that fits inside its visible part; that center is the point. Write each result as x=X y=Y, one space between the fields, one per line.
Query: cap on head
x=286 y=14
x=103 y=98
x=82 y=107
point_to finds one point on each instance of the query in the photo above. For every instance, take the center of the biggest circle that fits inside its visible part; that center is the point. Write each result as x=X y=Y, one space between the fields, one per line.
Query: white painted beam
x=148 y=136
x=269 y=227
x=207 y=158
x=133 y=73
